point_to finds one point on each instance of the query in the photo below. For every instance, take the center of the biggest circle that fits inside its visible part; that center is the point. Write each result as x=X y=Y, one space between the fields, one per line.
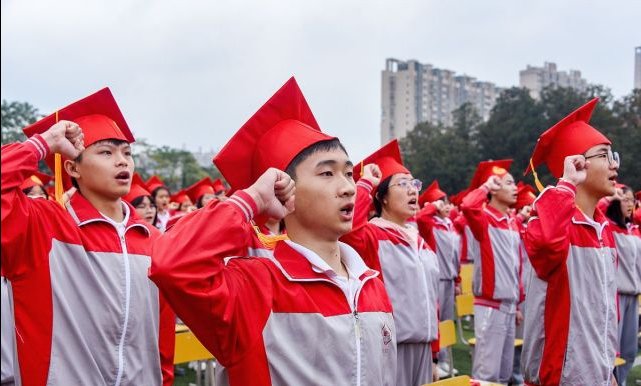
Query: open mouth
x=613 y=178
x=347 y=210
x=413 y=201
x=123 y=175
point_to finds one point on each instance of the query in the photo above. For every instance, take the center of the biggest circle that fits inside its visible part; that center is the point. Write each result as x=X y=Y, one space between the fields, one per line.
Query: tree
x=16 y=116
x=515 y=123
x=626 y=138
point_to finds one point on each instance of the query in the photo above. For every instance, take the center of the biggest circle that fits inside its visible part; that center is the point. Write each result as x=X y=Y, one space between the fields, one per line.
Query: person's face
x=508 y=193
x=325 y=194
x=207 y=197
x=601 y=173
x=401 y=200
x=185 y=205
x=627 y=204
x=162 y=199
x=220 y=196
x=445 y=211
x=105 y=169
x=146 y=210
x=37 y=192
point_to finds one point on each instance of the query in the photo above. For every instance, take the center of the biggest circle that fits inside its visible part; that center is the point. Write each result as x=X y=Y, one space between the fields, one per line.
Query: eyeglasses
x=406 y=184
x=610 y=155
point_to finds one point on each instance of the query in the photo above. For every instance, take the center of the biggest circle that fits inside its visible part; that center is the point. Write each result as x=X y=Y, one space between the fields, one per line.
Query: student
x=141 y=200
x=570 y=335
x=496 y=280
x=627 y=239
x=85 y=312
x=220 y=190
x=314 y=314
x=161 y=197
x=409 y=266
x=34 y=186
x=436 y=227
x=201 y=192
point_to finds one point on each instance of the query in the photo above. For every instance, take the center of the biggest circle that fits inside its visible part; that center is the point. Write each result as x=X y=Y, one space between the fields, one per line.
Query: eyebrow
x=332 y=162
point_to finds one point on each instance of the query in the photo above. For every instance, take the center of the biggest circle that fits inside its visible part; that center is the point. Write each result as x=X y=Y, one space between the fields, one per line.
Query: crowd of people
x=306 y=268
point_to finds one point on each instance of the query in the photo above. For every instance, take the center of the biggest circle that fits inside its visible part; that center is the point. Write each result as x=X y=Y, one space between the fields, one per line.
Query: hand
x=273 y=193
x=525 y=212
x=519 y=317
x=575 y=169
x=372 y=173
x=617 y=196
x=173 y=206
x=434 y=372
x=493 y=184
x=66 y=196
x=66 y=138
x=439 y=204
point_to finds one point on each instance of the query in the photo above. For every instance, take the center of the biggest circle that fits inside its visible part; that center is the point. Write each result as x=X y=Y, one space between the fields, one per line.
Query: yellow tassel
x=57 y=173
x=362 y=169
x=269 y=241
x=537 y=182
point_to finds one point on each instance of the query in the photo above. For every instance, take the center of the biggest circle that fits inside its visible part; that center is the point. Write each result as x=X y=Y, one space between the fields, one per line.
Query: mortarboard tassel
x=269 y=241
x=57 y=173
x=537 y=182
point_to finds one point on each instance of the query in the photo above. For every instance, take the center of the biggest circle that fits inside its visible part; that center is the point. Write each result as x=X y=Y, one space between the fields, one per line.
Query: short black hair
x=381 y=193
x=111 y=141
x=322 y=146
x=613 y=212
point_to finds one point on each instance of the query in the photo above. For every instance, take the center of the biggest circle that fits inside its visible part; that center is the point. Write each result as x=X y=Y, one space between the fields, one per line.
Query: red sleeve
x=225 y=303
x=27 y=225
x=546 y=239
x=472 y=207
x=167 y=341
x=363 y=237
x=425 y=222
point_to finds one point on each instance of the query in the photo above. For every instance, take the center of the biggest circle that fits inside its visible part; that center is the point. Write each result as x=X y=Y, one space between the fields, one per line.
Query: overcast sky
x=189 y=73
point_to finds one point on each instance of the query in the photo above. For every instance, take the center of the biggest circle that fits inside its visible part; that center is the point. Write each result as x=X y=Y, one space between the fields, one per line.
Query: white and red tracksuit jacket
x=443 y=238
x=628 y=244
x=85 y=311
x=410 y=272
x=570 y=333
x=460 y=224
x=496 y=279
x=272 y=320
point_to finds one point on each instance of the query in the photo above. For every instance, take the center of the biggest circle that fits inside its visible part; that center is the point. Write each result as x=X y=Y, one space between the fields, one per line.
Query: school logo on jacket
x=386 y=333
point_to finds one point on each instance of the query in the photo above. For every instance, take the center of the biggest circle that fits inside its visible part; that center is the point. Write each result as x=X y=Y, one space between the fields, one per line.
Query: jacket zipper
x=121 y=344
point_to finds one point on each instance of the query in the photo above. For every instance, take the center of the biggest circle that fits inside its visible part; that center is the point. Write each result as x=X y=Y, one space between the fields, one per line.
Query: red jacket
x=443 y=238
x=273 y=319
x=496 y=280
x=410 y=272
x=85 y=311
x=570 y=333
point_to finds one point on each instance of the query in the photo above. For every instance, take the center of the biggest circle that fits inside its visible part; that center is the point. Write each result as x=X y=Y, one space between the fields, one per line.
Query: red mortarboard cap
x=457 y=199
x=99 y=117
x=431 y=194
x=36 y=178
x=388 y=158
x=272 y=137
x=638 y=195
x=154 y=182
x=219 y=186
x=180 y=197
x=485 y=169
x=138 y=188
x=571 y=135
x=525 y=195
x=200 y=188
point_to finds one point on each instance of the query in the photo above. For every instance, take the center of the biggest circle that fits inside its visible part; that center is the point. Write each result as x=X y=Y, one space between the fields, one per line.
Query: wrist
x=568 y=180
x=256 y=197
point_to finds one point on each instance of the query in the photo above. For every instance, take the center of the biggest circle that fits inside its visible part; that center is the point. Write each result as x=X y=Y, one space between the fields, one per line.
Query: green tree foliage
x=450 y=154
x=15 y=116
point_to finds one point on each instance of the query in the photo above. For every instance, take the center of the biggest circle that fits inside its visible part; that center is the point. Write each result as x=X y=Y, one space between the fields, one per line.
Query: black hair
x=381 y=193
x=29 y=189
x=138 y=200
x=614 y=213
x=155 y=192
x=322 y=146
x=111 y=141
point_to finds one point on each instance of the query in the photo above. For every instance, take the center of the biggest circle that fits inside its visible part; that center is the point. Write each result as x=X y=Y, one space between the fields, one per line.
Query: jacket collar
x=599 y=223
x=301 y=264
x=496 y=214
x=84 y=213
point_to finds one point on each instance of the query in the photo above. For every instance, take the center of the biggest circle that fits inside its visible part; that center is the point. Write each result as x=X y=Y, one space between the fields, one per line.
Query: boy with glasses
x=570 y=335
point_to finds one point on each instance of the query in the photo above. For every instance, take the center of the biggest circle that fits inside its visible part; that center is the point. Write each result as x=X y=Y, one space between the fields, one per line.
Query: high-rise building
x=536 y=79
x=414 y=92
x=637 y=67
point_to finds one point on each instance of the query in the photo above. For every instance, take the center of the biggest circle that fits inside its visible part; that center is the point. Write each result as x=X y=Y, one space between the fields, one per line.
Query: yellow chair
x=447 y=338
x=189 y=348
x=461 y=380
x=618 y=361
x=465 y=307
x=467 y=271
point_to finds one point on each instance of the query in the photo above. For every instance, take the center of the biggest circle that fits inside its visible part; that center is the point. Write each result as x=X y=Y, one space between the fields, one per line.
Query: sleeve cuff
x=365 y=184
x=566 y=185
x=245 y=203
x=40 y=146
